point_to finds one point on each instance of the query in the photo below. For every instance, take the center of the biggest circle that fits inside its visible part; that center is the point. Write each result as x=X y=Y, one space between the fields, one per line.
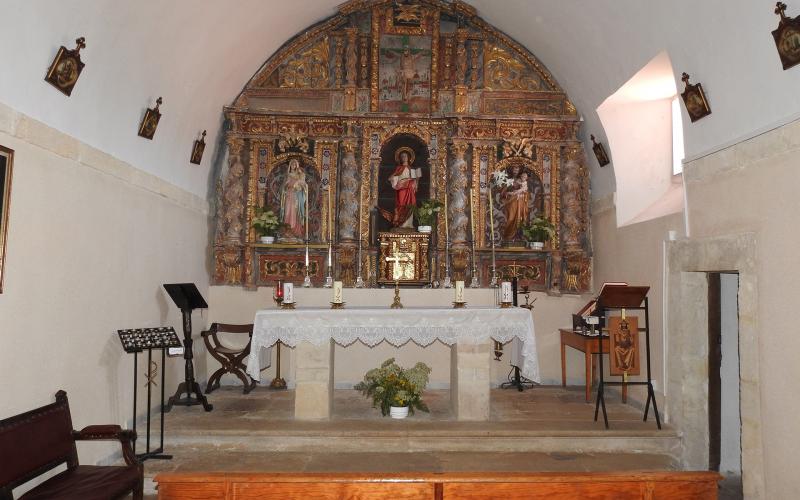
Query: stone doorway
x=689 y=262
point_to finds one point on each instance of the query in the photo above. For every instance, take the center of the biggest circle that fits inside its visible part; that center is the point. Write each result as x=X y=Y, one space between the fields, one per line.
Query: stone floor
x=548 y=428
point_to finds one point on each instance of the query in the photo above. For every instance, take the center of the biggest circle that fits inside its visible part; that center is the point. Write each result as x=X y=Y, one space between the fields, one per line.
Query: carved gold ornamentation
x=327 y=128
x=474 y=76
x=478 y=129
x=503 y=71
x=338 y=62
x=308 y=70
x=255 y=126
x=293 y=139
x=352 y=59
x=364 y=61
x=519 y=146
x=514 y=105
x=550 y=132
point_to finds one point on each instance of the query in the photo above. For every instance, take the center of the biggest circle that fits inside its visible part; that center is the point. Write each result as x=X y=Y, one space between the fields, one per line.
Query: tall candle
x=337 y=292
x=505 y=292
x=446 y=217
x=288 y=293
x=459 y=291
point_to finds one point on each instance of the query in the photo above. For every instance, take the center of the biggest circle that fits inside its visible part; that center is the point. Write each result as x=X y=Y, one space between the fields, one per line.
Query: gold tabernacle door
x=403 y=258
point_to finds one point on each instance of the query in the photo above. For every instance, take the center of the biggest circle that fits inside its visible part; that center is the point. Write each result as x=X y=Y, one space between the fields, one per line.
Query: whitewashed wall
x=91 y=239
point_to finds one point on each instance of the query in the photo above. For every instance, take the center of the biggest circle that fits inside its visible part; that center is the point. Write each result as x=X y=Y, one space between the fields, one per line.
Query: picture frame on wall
x=66 y=68
x=6 y=165
x=147 y=128
x=694 y=98
x=197 y=150
x=787 y=37
x=600 y=152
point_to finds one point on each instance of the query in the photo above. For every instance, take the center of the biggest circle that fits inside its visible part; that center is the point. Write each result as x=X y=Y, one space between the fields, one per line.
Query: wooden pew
x=434 y=486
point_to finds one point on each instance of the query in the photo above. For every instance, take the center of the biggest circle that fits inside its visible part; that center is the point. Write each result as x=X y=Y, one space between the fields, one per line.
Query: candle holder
x=328 y=281
x=277 y=295
x=396 y=304
x=506 y=305
x=278 y=383
x=360 y=282
x=459 y=305
x=494 y=282
x=337 y=305
x=475 y=282
x=307 y=280
x=447 y=282
x=287 y=305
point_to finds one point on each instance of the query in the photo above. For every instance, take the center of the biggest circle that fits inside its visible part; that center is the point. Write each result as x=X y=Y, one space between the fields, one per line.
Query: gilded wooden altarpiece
x=343 y=96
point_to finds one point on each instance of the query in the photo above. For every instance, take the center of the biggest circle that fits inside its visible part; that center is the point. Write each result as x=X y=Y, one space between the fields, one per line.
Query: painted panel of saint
x=291 y=189
x=515 y=205
x=405 y=74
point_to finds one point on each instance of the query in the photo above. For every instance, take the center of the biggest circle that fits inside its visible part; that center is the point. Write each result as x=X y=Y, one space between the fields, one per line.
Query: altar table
x=470 y=331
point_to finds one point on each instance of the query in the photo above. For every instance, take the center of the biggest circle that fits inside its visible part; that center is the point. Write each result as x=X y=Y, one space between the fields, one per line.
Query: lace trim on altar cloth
x=314 y=330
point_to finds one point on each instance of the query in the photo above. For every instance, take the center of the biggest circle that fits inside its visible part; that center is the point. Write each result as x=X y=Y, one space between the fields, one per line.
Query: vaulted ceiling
x=198 y=55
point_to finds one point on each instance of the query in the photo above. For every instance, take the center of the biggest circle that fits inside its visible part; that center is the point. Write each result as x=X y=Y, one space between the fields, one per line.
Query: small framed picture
x=694 y=99
x=6 y=163
x=66 y=68
x=787 y=37
x=197 y=149
x=600 y=153
x=147 y=128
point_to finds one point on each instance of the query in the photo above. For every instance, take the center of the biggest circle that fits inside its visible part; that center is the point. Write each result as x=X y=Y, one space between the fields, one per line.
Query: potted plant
x=426 y=213
x=266 y=224
x=538 y=231
x=395 y=390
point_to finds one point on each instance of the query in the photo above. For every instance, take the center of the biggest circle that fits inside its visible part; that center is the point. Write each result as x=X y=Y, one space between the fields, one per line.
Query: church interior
x=559 y=228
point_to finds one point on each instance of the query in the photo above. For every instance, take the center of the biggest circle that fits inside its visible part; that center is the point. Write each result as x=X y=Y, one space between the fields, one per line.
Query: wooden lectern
x=187 y=297
x=624 y=297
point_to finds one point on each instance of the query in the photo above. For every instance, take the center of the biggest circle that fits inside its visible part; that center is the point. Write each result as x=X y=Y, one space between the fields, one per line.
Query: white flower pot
x=398 y=411
x=536 y=245
x=424 y=229
x=268 y=239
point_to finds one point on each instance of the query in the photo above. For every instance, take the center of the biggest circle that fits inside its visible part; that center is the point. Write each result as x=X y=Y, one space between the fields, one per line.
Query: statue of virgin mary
x=294 y=200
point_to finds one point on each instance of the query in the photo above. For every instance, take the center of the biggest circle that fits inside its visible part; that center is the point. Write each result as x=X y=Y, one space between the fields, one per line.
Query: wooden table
x=589 y=346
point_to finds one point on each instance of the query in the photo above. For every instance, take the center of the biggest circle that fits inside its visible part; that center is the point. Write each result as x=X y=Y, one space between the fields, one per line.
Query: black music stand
x=136 y=341
x=614 y=297
x=187 y=297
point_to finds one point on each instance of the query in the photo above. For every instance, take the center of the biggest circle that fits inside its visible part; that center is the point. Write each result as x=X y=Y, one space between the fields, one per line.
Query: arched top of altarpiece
x=440 y=48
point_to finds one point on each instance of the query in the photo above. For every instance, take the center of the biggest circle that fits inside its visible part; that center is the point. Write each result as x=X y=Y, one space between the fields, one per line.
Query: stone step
x=356 y=436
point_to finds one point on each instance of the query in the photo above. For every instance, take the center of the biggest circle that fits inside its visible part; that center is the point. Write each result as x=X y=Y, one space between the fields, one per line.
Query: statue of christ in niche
x=404 y=180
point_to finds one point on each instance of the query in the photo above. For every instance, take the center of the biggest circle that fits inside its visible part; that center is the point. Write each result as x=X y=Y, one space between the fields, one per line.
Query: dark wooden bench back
x=34 y=442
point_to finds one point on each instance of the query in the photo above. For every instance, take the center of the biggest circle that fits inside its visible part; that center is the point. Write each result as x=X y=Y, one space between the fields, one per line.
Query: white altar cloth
x=371 y=326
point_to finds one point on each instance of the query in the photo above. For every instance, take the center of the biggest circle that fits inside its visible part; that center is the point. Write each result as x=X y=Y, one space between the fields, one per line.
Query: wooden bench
x=39 y=440
x=467 y=485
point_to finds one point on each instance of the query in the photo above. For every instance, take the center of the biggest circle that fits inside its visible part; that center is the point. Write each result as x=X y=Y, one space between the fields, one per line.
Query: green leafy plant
x=390 y=385
x=539 y=229
x=426 y=212
x=266 y=223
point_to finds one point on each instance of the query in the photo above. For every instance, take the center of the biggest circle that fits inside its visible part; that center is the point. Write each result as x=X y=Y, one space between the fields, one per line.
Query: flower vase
x=536 y=245
x=398 y=411
x=268 y=240
x=424 y=229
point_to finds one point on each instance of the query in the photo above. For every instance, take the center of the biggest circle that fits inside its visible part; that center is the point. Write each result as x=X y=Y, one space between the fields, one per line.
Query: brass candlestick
x=278 y=383
x=287 y=305
x=396 y=304
x=337 y=305
x=459 y=305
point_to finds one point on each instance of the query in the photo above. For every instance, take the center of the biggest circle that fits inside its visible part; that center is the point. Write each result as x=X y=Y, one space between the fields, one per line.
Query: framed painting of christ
x=6 y=160
x=405 y=74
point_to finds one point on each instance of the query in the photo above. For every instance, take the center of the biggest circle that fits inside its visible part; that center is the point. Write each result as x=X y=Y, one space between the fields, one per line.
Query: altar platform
x=548 y=428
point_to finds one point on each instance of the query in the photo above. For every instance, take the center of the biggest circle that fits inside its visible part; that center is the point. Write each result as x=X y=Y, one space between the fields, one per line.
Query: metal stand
x=651 y=395
x=158 y=453
x=189 y=385
x=517 y=381
x=278 y=383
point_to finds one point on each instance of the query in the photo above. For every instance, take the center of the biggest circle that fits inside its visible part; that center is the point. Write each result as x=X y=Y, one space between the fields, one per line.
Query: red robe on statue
x=405 y=196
